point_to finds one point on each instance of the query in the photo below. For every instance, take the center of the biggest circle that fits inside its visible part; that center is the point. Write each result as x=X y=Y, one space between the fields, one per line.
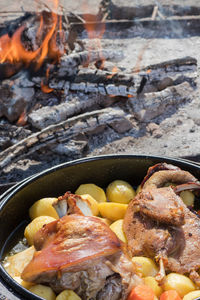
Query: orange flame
x=115 y=70
x=45 y=87
x=13 y=51
x=22 y=119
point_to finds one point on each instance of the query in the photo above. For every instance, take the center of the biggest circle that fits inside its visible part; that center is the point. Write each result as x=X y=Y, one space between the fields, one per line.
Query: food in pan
x=144 y=246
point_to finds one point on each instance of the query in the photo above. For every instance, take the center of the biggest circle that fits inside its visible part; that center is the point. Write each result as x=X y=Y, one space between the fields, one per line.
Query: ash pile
x=72 y=84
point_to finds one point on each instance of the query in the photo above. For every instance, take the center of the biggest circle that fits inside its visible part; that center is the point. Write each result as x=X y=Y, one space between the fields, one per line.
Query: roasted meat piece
x=152 y=222
x=80 y=253
x=159 y=225
x=161 y=174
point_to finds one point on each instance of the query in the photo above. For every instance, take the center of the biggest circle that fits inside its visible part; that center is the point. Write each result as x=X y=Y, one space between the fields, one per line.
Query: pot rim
x=4 y=198
x=11 y=191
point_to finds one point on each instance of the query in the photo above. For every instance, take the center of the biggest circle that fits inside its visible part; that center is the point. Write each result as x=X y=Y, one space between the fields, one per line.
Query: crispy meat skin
x=160 y=178
x=156 y=168
x=78 y=252
x=158 y=224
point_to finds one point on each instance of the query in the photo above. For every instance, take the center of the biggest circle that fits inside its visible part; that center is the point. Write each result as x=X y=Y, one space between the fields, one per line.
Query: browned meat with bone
x=80 y=253
x=158 y=224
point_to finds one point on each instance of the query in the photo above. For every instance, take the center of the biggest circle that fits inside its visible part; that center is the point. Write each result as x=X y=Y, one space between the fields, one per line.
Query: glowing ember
x=22 y=119
x=115 y=70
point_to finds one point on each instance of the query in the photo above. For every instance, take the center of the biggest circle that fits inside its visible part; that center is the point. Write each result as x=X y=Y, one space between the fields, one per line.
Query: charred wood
x=158 y=28
x=105 y=83
x=112 y=11
x=47 y=115
x=152 y=105
x=168 y=73
x=7 y=70
x=69 y=63
x=66 y=131
x=154 y=77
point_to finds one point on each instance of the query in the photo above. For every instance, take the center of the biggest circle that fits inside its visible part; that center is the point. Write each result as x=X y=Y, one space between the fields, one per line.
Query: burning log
x=121 y=84
x=66 y=131
x=69 y=63
x=100 y=82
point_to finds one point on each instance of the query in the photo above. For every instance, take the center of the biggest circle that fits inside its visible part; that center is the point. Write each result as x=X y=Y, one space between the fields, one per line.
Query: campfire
x=73 y=84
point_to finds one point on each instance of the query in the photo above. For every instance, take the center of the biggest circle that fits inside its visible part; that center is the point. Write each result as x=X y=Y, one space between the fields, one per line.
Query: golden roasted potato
x=43 y=291
x=118 y=230
x=16 y=263
x=152 y=283
x=106 y=221
x=112 y=211
x=68 y=295
x=34 y=226
x=43 y=207
x=93 y=190
x=23 y=283
x=192 y=295
x=145 y=266
x=120 y=191
x=181 y=283
x=187 y=197
x=93 y=203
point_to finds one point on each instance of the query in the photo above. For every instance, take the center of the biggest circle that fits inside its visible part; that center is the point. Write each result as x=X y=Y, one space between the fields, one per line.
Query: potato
x=192 y=295
x=112 y=211
x=34 y=226
x=68 y=295
x=120 y=191
x=106 y=221
x=93 y=204
x=43 y=207
x=187 y=197
x=23 y=283
x=145 y=266
x=151 y=282
x=16 y=263
x=181 y=283
x=43 y=291
x=118 y=230
x=93 y=190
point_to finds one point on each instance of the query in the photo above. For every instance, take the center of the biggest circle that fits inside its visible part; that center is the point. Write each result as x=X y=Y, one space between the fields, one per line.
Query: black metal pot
x=56 y=181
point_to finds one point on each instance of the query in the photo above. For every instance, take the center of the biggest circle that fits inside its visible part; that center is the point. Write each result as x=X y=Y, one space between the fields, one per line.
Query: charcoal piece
x=14 y=99
x=11 y=26
x=7 y=70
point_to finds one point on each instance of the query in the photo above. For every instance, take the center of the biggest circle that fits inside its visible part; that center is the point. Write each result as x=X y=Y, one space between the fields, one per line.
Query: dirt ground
x=86 y=5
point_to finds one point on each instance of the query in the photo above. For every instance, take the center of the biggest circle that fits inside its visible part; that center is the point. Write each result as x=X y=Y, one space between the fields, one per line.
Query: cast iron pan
x=56 y=181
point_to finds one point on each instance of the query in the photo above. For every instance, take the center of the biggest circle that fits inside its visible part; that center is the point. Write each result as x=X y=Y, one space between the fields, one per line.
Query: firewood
x=65 y=131
x=49 y=115
x=121 y=84
x=152 y=105
x=69 y=63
